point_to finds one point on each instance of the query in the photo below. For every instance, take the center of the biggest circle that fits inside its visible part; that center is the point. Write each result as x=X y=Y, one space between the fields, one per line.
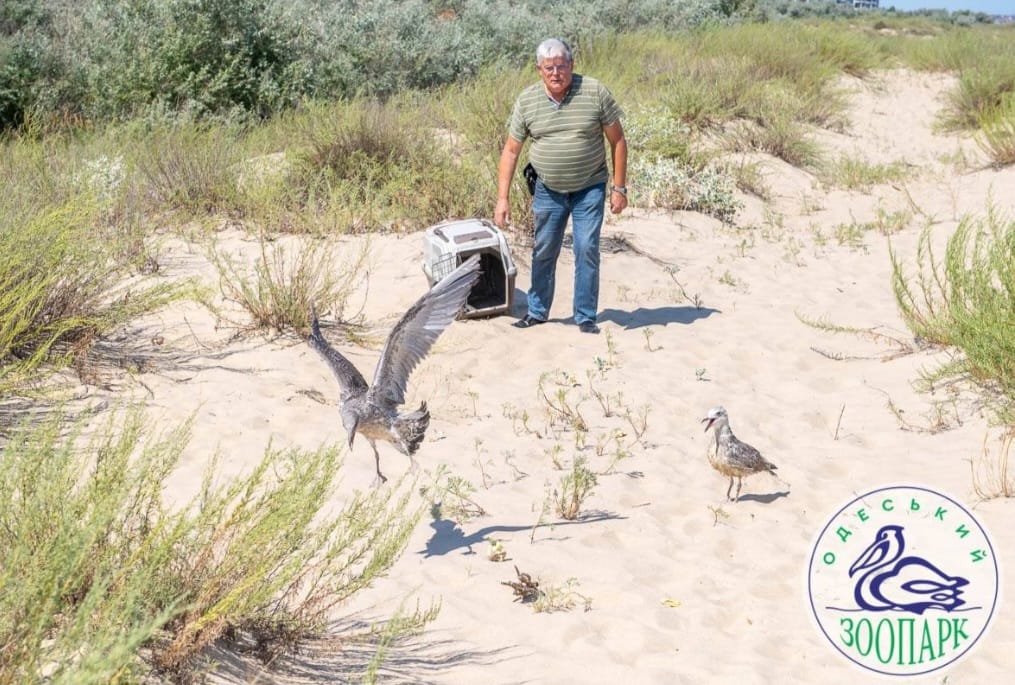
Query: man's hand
x=505 y=172
x=618 y=202
x=502 y=214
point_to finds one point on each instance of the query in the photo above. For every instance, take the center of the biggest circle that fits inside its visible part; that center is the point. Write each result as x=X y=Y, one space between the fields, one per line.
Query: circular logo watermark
x=903 y=580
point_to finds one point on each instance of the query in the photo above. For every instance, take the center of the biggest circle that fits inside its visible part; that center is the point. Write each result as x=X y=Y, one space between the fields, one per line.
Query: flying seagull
x=372 y=410
x=733 y=457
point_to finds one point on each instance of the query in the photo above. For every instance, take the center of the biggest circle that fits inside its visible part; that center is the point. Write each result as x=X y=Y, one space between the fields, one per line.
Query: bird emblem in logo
x=886 y=580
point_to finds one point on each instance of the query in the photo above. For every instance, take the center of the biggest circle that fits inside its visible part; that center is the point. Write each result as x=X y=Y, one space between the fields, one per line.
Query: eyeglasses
x=555 y=68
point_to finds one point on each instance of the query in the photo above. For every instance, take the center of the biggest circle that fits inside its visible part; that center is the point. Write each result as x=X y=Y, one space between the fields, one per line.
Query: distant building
x=861 y=4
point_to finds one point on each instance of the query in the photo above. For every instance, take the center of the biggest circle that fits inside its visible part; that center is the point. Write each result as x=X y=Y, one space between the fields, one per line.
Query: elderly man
x=566 y=116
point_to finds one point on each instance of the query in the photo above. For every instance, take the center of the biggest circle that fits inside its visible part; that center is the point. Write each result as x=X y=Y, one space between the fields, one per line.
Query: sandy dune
x=684 y=586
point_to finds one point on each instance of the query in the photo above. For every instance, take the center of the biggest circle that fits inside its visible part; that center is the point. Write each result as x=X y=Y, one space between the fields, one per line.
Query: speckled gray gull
x=372 y=410
x=733 y=457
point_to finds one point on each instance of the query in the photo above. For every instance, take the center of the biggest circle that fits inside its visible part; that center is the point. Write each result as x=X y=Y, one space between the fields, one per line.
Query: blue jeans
x=552 y=209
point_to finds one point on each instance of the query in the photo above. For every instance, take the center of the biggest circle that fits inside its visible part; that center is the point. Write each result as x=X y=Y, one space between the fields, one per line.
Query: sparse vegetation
x=853 y=173
x=139 y=123
x=991 y=477
x=966 y=300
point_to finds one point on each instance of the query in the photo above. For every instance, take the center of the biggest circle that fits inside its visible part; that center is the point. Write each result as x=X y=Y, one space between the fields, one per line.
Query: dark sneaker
x=527 y=322
x=588 y=327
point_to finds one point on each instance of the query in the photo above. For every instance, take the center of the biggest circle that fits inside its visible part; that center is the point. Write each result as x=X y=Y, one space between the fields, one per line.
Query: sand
x=682 y=586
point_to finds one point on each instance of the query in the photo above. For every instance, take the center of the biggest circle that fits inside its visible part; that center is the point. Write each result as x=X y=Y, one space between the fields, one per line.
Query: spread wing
x=349 y=378
x=415 y=333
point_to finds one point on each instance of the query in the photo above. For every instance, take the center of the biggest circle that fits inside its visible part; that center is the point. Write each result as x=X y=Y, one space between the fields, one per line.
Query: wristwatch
x=619 y=189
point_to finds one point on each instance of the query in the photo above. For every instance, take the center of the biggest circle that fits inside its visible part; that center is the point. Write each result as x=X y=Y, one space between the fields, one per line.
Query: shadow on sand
x=348 y=649
x=656 y=316
x=447 y=535
x=764 y=499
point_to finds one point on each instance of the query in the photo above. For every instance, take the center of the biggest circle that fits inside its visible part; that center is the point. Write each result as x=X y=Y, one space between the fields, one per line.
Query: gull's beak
x=352 y=433
x=710 y=420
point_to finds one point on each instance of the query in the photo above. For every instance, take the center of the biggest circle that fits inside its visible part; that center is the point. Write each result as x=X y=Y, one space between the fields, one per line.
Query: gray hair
x=553 y=47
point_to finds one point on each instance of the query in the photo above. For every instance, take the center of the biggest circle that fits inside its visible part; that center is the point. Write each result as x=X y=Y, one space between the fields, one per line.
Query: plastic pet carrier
x=450 y=243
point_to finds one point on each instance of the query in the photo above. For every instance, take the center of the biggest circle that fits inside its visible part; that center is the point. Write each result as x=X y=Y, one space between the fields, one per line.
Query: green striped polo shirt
x=567 y=141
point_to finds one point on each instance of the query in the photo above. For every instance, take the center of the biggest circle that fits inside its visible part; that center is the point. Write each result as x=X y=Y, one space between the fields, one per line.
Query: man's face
x=556 y=73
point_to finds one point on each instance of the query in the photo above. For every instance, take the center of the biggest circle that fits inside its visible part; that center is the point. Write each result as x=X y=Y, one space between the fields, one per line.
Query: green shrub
x=967 y=301
x=389 y=164
x=287 y=279
x=668 y=184
x=186 y=166
x=63 y=284
x=102 y=581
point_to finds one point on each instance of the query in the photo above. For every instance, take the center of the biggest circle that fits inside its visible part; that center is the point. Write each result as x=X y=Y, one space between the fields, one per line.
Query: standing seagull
x=372 y=410
x=732 y=456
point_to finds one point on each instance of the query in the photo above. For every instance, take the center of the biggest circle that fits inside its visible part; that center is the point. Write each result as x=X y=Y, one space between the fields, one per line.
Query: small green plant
x=509 y=459
x=851 y=235
x=672 y=184
x=648 y=333
x=496 y=551
x=886 y=223
x=611 y=349
x=562 y=412
x=695 y=299
x=749 y=178
x=718 y=514
x=729 y=279
x=545 y=507
x=890 y=223
x=600 y=396
x=451 y=497
x=519 y=419
x=900 y=345
x=619 y=453
x=480 y=452
x=638 y=421
x=563 y=597
x=473 y=396
x=554 y=452
x=575 y=486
